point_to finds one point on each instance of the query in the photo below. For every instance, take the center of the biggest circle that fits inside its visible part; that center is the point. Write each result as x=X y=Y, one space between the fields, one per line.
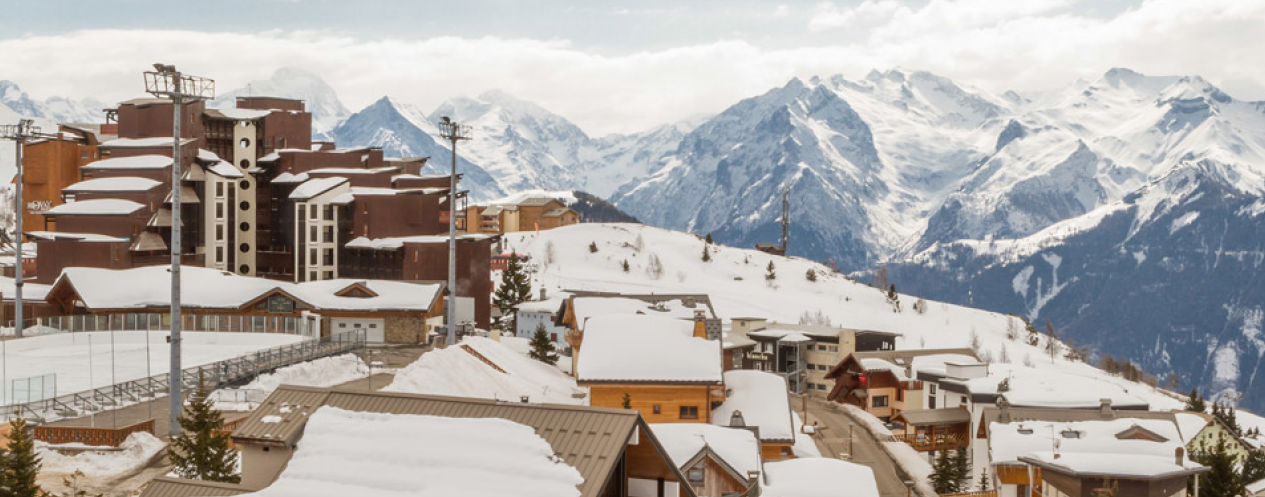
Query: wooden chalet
x=715 y=460
x=935 y=429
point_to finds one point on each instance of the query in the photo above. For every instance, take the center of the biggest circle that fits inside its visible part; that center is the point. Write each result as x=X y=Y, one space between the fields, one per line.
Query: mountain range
x=1126 y=209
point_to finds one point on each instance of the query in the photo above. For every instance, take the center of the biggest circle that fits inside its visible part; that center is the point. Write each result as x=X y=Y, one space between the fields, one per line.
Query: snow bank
x=323 y=372
x=134 y=453
x=357 y=453
x=804 y=446
x=906 y=458
x=457 y=371
x=763 y=400
x=818 y=477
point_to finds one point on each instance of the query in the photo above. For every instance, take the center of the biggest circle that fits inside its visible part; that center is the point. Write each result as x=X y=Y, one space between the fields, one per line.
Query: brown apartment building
x=533 y=213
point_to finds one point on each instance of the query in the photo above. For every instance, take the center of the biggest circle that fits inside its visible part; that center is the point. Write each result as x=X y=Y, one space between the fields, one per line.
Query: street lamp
x=166 y=82
x=19 y=133
x=453 y=132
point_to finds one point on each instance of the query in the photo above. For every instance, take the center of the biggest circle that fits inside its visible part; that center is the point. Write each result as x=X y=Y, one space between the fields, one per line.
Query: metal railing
x=208 y=376
x=940 y=441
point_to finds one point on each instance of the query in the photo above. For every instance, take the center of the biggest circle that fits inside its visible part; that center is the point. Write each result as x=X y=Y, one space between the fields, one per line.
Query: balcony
x=925 y=442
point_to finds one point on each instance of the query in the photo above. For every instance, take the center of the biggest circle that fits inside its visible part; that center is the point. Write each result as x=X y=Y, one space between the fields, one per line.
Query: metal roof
x=591 y=439
x=924 y=417
x=178 y=487
x=993 y=415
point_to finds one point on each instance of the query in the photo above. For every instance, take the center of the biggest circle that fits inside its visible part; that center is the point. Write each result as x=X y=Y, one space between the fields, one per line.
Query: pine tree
x=514 y=289
x=811 y=275
x=592 y=247
x=627 y=402
x=772 y=272
x=708 y=239
x=983 y=480
x=942 y=477
x=707 y=256
x=961 y=470
x=1253 y=467
x=21 y=464
x=1221 y=480
x=542 y=348
x=1196 y=403
x=202 y=450
x=1034 y=336
x=625 y=265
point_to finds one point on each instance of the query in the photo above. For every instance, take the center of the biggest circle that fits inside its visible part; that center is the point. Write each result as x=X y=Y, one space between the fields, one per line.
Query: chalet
x=582 y=305
x=387 y=311
x=533 y=213
x=885 y=383
x=716 y=461
x=757 y=400
x=665 y=368
x=533 y=313
x=804 y=353
x=382 y=442
x=1201 y=431
x=1125 y=456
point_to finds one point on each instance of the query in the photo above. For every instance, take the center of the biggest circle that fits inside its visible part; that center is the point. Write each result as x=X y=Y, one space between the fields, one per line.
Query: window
x=553 y=337
x=689 y=412
x=313 y=234
x=812 y=386
x=219 y=254
x=833 y=348
x=312 y=261
x=932 y=391
x=219 y=210
x=657 y=409
x=329 y=234
x=219 y=232
x=373 y=325
x=737 y=360
x=329 y=212
x=879 y=401
x=311 y=276
x=900 y=395
x=342 y=325
x=696 y=477
x=316 y=213
x=219 y=190
x=821 y=386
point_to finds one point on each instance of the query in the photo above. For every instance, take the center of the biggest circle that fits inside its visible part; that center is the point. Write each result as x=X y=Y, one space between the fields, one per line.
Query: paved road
x=833 y=442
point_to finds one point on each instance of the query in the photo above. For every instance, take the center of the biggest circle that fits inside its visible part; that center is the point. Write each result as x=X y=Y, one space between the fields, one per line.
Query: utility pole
x=786 y=219
x=166 y=82
x=454 y=133
x=19 y=133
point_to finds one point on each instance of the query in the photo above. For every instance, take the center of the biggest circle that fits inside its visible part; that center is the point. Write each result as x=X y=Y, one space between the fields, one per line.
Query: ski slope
x=735 y=279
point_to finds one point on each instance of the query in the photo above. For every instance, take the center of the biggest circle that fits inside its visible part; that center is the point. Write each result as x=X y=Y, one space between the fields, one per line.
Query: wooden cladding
x=97 y=437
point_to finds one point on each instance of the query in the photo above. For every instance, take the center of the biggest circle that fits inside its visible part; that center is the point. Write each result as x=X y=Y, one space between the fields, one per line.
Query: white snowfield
x=347 y=453
x=82 y=361
x=455 y=371
x=818 y=477
x=646 y=348
x=735 y=281
x=103 y=465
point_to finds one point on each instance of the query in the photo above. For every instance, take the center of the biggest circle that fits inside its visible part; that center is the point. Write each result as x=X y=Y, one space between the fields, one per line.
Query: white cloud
x=781 y=11
x=995 y=44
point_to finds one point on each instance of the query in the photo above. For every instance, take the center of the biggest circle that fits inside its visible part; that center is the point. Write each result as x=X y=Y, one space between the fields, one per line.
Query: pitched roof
x=98 y=207
x=923 y=417
x=134 y=162
x=314 y=187
x=178 y=487
x=762 y=399
x=635 y=348
x=591 y=439
x=115 y=184
x=1017 y=414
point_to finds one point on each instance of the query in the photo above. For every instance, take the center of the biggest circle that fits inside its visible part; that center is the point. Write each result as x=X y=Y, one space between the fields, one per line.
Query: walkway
x=862 y=449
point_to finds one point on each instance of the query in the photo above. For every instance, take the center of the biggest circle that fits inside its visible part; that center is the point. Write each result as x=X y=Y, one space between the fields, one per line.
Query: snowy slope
x=735 y=281
x=320 y=99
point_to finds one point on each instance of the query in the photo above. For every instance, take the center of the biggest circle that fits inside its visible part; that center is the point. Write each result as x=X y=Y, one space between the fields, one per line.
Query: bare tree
x=881 y=281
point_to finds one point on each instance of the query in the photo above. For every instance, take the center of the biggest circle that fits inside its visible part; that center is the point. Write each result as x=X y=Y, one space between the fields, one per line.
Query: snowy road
x=833 y=442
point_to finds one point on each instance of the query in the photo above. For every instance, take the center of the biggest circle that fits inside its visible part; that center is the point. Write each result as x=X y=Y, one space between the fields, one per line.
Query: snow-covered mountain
x=319 y=97
x=54 y=109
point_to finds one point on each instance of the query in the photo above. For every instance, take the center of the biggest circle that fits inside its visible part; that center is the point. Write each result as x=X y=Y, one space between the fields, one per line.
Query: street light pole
x=166 y=81
x=19 y=133
x=454 y=133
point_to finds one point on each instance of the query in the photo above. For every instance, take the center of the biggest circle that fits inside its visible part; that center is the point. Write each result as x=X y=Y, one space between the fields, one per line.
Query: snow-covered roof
x=457 y=371
x=205 y=155
x=115 y=184
x=1032 y=387
x=762 y=399
x=588 y=307
x=1190 y=424
x=353 y=170
x=98 y=207
x=367 y=453
x=391 y=295
x=1119 y=465
x=135 y=162
x=243 y=114
x=736 y=447
x=1082 y=444
x=550 y=305
x=818 y=477
x=394 y=243
x=906 y=364
x=621 y=348
x=287 y=177
x=83 y=237
x=225 y=170
x=314 y=187
x=30 y=291
x=158 y=141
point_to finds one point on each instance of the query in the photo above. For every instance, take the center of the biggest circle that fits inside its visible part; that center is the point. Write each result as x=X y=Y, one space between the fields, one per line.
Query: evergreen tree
x=592 y=247
x=709 y=239
x=627 y=402
x=514 y=289
x=707 y=256
x=625 y=265
x=984 y=483
x=961 y=470
x=893 y=298
x=1253 y=467
x=942 y=478
x=542 y=348
x=772 y=272
x=812 y=275
x=21 y=464
x=202 y=450
x=1222 y=480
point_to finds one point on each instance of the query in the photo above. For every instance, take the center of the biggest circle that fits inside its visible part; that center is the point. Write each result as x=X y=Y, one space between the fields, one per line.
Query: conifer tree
x=961 y=470
x=943 y=473
x=707 y=256
x=21 y=464
x=772 y=272
x=202 y=450
x=542 y=348
x=1253 y=467
x=983 y=480
x=625 y=265
x=626 y=403
x=592 y=247
x=514 y=289
x=1222 y=480
x=811 y=275
x=1196 y=403
x=893 y=297
x=708 y=239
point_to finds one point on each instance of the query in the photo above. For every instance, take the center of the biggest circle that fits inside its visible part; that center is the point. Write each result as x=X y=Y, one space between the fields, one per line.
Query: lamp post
x=453 y=132
x=19 y=133
x=166 y=82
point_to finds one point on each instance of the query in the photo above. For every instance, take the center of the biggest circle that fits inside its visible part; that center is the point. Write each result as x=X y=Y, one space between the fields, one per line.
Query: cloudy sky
x=622 y=66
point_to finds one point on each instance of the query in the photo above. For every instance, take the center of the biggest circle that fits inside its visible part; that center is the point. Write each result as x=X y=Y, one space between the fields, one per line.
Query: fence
x=210 y=376
x=31 y=389
x=153 y=321
x=96 y=437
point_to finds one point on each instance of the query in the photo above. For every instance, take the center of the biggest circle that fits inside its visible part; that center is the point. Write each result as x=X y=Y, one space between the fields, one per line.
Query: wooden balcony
x=984 y=493
x=925 y=441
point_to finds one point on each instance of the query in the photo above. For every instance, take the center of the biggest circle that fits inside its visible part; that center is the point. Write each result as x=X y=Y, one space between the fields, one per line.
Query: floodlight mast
x=19 y=133
x=166 y=82
x=453 y=132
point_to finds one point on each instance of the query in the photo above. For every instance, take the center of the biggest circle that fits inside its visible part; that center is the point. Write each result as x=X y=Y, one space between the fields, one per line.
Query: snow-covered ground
x=82 y=361
x=100 y=465
x=663 y=261
x=323 y=372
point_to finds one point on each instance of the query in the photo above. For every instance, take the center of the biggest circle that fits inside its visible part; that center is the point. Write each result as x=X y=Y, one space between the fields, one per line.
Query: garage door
x=374 y=329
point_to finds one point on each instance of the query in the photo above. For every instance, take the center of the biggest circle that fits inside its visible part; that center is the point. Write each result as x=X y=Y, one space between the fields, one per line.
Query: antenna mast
x=786 y=218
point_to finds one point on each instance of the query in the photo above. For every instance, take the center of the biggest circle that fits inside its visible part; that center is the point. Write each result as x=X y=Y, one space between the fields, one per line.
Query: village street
x=833 y=442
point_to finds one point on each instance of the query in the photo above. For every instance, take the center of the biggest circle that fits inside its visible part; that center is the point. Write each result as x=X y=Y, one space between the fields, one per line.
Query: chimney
x=753 y=483
x=736 y=420
x=1180 y=456
x=1004 y=416
x=543 y=294
x=700 y=324
x=1104 y=409
x=524 y=399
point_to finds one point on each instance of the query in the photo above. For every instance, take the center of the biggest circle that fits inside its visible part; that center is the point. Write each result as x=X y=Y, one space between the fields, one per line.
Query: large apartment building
x=258 y=198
